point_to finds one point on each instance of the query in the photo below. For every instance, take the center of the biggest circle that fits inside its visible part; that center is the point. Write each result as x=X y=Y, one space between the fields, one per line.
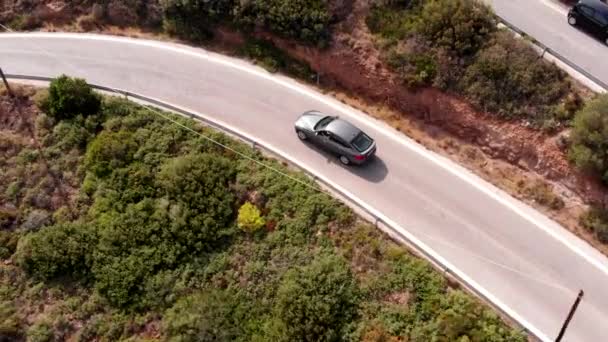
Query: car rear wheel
x=572 y=21
x=344 y=160
x=301 y=135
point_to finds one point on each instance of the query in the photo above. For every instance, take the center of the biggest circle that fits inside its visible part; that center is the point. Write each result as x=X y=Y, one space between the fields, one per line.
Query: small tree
x=58 y=250
x=250 y=219
x=69 y=97
x=461 y=26
x=589 y=149
x=316 y=301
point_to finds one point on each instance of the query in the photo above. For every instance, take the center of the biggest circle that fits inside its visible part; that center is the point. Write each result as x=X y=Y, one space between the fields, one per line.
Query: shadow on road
x=375 y=170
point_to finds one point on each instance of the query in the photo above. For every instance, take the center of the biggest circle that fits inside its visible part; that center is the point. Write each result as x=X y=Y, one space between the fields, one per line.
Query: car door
x=338 y=147
x=601 y=22
x=586 y=18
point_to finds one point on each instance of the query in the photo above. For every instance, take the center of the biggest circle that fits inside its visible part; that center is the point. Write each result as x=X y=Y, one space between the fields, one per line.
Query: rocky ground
x=528 y=163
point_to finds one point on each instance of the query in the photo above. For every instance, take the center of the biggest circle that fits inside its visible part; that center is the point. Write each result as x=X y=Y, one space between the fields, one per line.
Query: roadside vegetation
x=307 y=21
x=161 y=234
x=455 y=45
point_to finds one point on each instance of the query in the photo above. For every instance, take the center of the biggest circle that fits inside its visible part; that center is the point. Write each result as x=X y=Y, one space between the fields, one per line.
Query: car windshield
x=362 y=142
x=323 y=122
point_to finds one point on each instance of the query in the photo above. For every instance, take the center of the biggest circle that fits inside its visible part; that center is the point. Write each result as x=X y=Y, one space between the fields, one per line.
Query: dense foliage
x=589 y=149
x=455 y=45
x=507 y=75
x=304 y=20
x=168 y=236
x=316 y=302
x=69 y=97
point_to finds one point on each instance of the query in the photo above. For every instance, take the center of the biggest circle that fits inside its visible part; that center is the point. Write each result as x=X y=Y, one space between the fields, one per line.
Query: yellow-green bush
x=250 y=219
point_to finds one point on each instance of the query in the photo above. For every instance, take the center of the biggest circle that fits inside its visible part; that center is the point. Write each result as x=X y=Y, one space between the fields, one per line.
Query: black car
x=591 y=15
x=349 y=143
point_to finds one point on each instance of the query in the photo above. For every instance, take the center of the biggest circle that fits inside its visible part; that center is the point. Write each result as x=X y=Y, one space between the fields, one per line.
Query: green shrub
x=462 y=26
x=460 y=318
x=304 y=20
x=416 y=69
x=274 y=59
x=250 y=219
x=508 y=77
x=8 y=243
x=589 y=148
x=315 y=302
x=194 y=19
x=10 y=322
x=596 y=221
x=110 y=151
x=212 y=315
x=60 y=250
x=40 y=332
x=69 y=97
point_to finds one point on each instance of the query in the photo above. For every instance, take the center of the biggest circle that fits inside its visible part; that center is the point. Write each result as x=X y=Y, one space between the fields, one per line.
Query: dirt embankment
x=354 y=64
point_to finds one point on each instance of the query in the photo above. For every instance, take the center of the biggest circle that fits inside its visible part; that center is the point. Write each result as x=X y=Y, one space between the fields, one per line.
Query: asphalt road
x=546 y=21
x=527 y=261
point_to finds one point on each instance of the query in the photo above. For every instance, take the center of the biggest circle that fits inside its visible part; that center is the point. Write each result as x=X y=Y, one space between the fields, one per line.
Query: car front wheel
x=344 y=160
x=572 y=21
x=301 y=135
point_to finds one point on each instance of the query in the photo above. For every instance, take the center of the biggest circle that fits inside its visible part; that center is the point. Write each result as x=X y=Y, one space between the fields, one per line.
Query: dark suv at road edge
x=591 y=15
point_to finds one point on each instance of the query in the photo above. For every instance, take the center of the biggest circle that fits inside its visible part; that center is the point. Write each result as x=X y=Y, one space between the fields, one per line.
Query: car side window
x=588 y=11
x=324 y=133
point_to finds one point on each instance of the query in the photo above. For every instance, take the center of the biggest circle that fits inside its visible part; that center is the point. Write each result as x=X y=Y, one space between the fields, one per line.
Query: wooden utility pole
x=8 y=88
x=572 y=310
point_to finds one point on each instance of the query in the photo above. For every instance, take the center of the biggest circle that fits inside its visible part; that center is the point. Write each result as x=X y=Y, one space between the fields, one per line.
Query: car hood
x=309 y=120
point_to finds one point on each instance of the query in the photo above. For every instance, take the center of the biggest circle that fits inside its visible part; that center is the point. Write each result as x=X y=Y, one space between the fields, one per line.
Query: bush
x=274 y=59
x=57 y=251
x=596 y=221
x=249 y=218
x=304 y=20
x=40 y=332
x=460 y=318
x=110 y=151
x=194 y=19
x=315 y=302
x=69 y=97
x=461 y=26
x=508 y=77
x=589 y=148
x=212 y=315
x=8 y=243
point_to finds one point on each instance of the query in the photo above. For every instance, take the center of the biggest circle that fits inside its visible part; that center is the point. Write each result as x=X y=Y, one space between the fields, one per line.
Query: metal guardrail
x=554 y=53
x=380 y=221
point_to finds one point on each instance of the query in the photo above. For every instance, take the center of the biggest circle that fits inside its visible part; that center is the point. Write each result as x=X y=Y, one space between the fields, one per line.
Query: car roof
x=595 y=4
x=343 y=129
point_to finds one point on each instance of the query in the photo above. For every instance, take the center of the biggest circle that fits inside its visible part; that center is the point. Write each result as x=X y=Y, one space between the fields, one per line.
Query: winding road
x=529 y=263
x=545 y=20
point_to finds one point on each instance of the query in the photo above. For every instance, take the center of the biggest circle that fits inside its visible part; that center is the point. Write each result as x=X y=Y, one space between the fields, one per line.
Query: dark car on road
x=339 y=137
x=592 y=16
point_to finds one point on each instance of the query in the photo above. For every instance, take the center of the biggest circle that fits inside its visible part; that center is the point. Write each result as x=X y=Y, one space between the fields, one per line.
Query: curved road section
x=545 y=20
x=525 y=260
